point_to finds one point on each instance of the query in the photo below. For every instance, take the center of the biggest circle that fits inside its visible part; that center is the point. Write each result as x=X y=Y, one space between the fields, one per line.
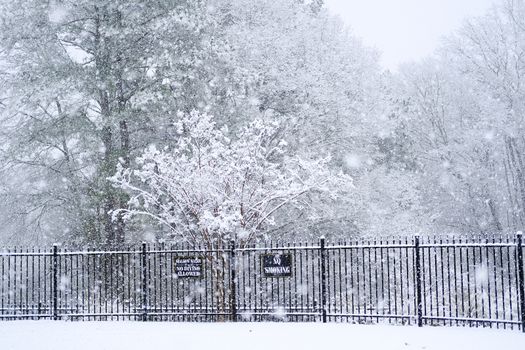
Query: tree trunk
x=515 y=170
x=107 y=196
x=218 y=265
x=122 y=202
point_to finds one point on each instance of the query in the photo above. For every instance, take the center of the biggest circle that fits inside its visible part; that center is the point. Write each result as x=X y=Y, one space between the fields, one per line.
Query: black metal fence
x=474 y=282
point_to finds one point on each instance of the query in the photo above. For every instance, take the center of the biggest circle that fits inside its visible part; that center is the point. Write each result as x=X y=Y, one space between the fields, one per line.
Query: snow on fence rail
x=474 y=282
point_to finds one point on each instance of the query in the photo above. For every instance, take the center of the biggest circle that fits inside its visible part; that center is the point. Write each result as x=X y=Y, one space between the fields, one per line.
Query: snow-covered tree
x=308 y=71
x=211 y=187
x=490 y=53
x=86 y=83
x=465 y=121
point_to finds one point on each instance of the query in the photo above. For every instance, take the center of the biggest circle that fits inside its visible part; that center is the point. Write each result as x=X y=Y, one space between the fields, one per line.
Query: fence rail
x=423 y=281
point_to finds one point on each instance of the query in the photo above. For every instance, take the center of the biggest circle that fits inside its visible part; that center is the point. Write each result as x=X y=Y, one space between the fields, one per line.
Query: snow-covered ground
x=41 y=335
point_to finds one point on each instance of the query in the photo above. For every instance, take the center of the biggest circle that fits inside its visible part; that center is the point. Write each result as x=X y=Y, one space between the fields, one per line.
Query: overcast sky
x=405 y=30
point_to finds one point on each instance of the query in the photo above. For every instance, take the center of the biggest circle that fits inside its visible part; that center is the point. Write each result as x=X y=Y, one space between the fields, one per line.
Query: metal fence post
x=39 y=310
x=55 y=282
x=419 y=305
x=233 y=282
x=521 y=277
x=144 y=282
x=323 y=279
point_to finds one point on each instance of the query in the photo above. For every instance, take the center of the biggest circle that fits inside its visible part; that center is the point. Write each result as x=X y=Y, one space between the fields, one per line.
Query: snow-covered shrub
x=211 y=186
